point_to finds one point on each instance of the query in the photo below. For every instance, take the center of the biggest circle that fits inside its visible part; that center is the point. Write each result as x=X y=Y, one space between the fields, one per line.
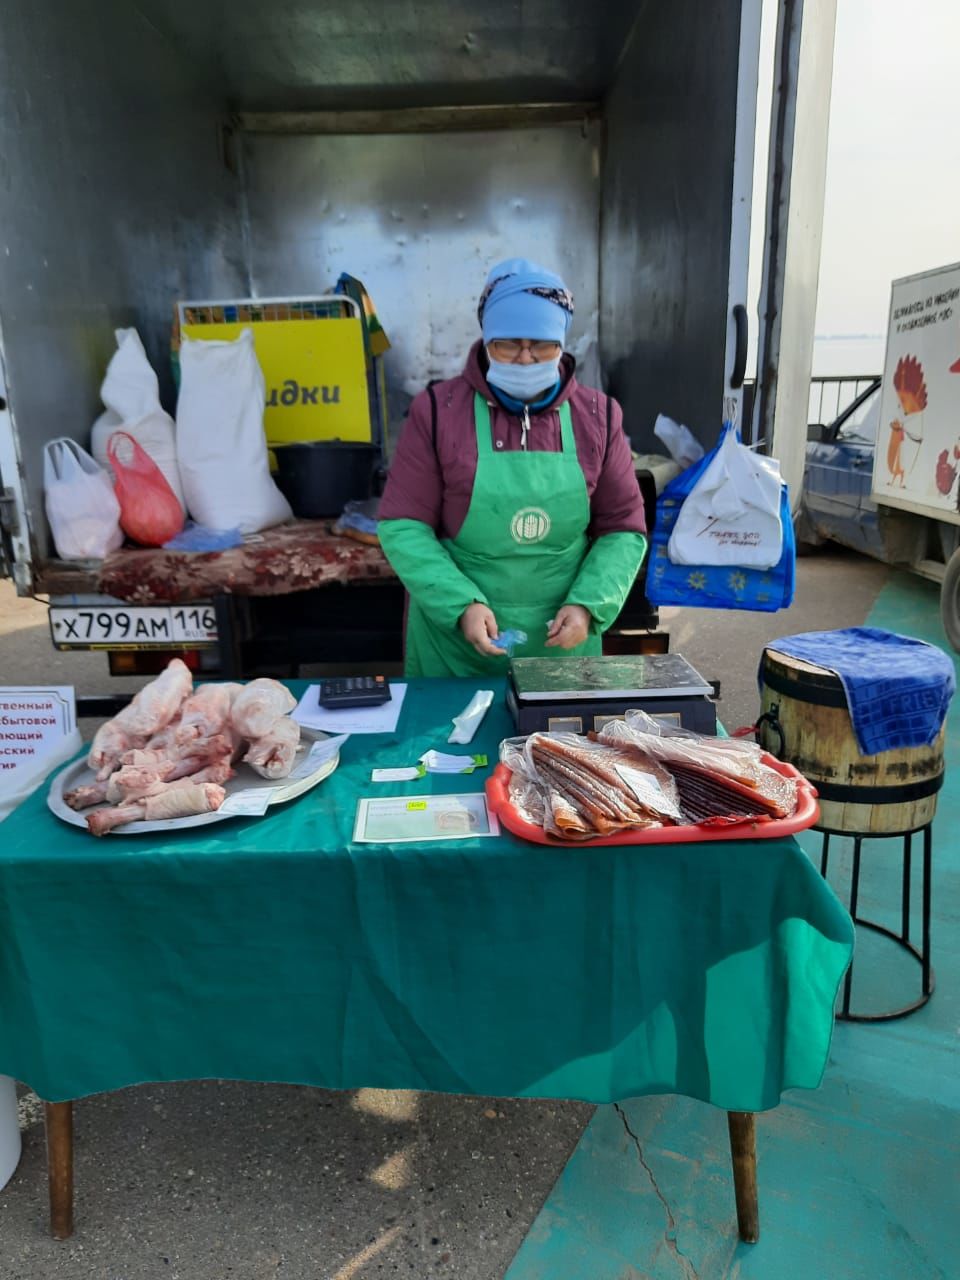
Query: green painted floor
x=859 y=1179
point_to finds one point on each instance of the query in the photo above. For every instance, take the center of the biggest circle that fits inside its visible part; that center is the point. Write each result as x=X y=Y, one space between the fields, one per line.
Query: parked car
x=835 y=502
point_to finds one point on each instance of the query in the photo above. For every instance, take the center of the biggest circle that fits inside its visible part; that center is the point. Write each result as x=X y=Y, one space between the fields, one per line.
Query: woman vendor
x=512 y=502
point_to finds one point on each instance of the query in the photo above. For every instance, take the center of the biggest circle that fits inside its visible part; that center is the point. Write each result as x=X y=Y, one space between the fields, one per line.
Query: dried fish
x=631 y=776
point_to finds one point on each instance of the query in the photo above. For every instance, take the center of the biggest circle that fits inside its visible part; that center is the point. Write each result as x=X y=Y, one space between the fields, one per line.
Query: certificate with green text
x=394 y=819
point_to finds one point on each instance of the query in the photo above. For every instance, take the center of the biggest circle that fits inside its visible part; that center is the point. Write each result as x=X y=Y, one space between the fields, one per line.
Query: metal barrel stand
x=902 y=939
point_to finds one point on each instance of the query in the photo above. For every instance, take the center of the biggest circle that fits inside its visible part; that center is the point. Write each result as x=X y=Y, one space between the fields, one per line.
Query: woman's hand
x=570 y=627
x=479 y=626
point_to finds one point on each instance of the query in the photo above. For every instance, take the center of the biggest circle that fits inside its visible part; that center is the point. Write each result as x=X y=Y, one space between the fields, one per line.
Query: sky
x=893 y=162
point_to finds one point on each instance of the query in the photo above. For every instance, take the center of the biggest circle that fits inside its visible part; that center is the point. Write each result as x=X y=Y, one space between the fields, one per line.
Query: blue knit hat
x=524 y=300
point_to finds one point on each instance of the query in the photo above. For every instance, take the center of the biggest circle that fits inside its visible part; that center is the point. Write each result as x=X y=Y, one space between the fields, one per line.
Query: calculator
x=354 y=691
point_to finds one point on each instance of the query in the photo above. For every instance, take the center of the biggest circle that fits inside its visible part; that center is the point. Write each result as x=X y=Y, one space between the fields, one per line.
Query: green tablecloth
x=274 y=949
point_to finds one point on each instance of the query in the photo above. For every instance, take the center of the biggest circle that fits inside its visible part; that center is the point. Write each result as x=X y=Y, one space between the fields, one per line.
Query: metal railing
x=829 y=396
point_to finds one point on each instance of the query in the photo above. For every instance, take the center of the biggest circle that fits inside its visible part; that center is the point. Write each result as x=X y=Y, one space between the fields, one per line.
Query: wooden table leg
x=743 y=1150
x=59 y=1117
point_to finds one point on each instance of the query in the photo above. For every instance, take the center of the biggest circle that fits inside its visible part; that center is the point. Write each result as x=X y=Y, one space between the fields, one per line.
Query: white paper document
x=430 y=762
x=447 y=762
x=401 y=819
x=248 y=804
x=318 y=754
x=382 y=719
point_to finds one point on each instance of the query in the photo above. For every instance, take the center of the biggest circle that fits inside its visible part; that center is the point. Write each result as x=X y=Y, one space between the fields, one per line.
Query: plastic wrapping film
x=638 y=774
x=736 y=761
x=575 y=788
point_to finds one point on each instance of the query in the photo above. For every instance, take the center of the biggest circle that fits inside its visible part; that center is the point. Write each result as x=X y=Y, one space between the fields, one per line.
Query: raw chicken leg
x=206 y=712
x=145 y=757
x=183 y=802
x=158 y=702
x=110 y=742
x=199 y=754
x=151 y=710
x=186 y=759
x=272 y=755
x=258 y=706
x=165 y=738
x=172 y=802
x=132 y=782
x=219 y=772
x=129 y=782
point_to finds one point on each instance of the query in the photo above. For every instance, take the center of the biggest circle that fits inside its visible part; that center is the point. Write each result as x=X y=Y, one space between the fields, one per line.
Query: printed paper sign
x=33 y=722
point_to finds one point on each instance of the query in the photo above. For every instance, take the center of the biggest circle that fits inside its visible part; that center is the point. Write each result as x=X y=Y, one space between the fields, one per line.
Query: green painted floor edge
x=859 y=1178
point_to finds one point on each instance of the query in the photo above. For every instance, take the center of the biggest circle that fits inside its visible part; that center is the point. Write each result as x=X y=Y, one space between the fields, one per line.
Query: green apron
x=522 y=544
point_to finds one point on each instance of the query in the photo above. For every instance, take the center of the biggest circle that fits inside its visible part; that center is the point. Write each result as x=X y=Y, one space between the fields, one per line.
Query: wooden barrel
x=885 y=794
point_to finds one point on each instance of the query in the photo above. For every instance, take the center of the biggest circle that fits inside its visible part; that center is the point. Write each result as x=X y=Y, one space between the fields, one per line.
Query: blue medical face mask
x=524 y=381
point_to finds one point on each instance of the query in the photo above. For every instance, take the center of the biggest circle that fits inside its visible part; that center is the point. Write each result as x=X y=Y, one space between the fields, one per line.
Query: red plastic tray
x=807 y=813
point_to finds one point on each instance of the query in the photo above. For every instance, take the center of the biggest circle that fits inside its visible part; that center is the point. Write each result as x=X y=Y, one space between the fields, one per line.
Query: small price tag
x=416 y=804
x=318 y=755
x=247 y=804
x=398 y=775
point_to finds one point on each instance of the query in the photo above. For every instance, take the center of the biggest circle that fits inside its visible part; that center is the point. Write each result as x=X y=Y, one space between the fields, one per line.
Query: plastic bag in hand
x=150 y=512
x=82 y=509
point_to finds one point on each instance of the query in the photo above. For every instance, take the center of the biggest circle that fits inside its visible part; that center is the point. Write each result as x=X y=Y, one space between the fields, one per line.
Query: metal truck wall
x=797 y=170
x=665 y=224
x=114 y=202
x=420 y=218
x=300 y=55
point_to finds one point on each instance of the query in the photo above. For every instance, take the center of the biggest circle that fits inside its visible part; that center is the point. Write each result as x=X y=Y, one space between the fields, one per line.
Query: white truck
x=172 y=149
x=884 y=477
x=917 y=458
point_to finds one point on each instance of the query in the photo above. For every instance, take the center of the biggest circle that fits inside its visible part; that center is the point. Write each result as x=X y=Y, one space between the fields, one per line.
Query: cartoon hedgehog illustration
x=911 y=389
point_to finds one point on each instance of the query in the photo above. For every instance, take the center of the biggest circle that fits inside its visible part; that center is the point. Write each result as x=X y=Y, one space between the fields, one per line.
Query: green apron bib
x=522 y=544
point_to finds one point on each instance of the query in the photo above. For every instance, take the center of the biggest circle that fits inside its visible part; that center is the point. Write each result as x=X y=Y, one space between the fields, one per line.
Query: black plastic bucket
x=318 y=479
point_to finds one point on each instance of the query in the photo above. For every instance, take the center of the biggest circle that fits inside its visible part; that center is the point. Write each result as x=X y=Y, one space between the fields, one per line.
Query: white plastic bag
x=732 y=514
x=82 y=508
x=132 y=397
x=681 y=443
x=221 y=447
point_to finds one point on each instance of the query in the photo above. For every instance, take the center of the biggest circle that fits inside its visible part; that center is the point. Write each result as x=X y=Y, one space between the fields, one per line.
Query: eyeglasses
x=508 y=349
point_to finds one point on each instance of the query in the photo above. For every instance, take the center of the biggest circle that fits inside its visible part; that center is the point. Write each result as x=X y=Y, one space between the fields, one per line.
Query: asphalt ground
x=226 y=1181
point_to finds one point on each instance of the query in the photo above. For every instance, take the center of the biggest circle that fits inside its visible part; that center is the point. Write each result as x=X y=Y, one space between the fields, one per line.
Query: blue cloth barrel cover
x=898 y=689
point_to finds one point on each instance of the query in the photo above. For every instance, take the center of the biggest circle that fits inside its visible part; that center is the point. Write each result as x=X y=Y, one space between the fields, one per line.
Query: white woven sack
x=221 y=447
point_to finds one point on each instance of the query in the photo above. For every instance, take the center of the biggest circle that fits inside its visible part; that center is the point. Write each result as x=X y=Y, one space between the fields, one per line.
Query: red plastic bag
x=150 y=512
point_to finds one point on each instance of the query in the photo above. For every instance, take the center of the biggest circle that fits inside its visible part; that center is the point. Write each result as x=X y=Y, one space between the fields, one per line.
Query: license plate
x=138 y=627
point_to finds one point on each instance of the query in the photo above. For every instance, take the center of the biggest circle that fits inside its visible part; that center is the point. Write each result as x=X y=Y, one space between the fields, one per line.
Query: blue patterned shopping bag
x=715 y=586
